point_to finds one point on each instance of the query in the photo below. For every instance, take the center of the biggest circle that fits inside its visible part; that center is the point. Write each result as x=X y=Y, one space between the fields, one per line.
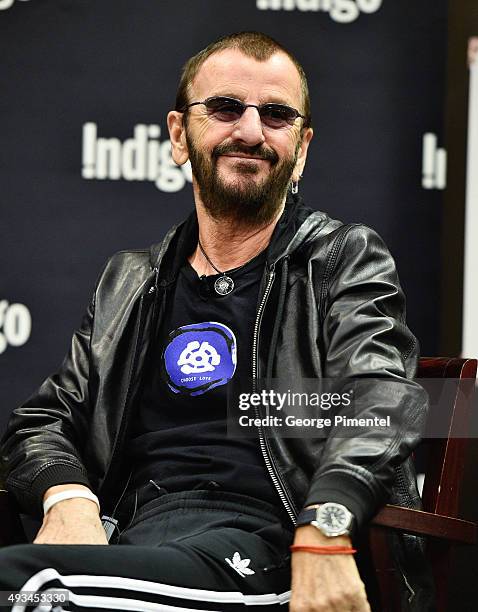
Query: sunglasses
x=230 y=110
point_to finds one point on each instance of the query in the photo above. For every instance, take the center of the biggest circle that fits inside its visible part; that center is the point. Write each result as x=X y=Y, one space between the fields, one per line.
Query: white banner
x=470 y=285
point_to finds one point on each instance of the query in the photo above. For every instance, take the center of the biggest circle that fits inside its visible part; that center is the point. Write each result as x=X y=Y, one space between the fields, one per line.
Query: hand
x=71 y=521
x=325 y=583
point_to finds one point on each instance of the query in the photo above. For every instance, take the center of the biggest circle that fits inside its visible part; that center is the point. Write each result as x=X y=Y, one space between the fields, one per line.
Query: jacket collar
x=293 y=228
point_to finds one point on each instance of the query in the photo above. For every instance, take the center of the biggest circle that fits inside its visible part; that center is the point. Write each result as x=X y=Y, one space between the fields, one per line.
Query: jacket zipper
x=262 y=441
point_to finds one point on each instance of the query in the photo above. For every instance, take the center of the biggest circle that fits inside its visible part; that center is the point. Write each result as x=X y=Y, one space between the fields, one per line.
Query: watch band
x=306 y=516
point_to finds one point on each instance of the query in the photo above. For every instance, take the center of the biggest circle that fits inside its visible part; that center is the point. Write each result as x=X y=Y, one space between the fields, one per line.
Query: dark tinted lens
x=224 y=109
x=278 y=115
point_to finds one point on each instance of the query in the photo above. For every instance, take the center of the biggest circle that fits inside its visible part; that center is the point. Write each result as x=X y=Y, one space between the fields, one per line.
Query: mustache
x=258 y=151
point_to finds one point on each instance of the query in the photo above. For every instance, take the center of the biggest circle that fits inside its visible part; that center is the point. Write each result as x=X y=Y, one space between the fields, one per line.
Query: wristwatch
x=331 y=518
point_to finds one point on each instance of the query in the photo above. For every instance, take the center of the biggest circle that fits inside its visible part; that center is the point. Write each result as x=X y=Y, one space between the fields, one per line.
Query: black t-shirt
x=179 y=438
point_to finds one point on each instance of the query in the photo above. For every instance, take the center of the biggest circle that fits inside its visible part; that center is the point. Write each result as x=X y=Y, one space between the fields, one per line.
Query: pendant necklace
x=223 y=285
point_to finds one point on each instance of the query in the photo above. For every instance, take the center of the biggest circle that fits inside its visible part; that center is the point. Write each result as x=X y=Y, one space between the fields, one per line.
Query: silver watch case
x=333 y=519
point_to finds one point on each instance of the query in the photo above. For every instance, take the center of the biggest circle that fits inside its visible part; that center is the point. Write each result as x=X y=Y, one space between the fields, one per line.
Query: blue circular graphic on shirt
x=200 y=357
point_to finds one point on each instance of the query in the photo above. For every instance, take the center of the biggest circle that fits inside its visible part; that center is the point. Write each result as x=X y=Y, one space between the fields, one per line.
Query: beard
x=242 y=201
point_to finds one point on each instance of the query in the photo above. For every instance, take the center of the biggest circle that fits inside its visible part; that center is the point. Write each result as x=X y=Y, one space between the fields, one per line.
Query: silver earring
x=294 y=187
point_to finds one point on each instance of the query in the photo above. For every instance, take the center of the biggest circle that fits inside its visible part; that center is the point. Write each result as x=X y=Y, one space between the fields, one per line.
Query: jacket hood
x=296 y=224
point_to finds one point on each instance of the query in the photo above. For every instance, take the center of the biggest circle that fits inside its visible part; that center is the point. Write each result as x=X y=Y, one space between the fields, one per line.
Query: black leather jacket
x=330 y=306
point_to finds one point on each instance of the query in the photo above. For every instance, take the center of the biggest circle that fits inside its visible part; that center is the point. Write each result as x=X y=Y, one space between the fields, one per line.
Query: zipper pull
x=153 y=287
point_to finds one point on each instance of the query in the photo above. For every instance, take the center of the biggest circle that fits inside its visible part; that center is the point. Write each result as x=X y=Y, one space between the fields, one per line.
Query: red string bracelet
x=324 y=550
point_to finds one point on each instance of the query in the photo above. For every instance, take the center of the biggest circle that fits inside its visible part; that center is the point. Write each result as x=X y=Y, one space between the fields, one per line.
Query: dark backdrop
x=376 y=74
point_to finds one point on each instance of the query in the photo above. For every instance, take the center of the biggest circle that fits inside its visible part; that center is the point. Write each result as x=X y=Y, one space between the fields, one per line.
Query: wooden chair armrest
x=427 y=523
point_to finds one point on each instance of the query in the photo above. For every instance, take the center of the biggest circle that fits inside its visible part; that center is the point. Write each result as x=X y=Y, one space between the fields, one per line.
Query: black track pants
x=200 y=550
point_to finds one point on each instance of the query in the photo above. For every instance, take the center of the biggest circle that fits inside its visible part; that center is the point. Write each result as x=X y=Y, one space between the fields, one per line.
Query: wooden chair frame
x=443 y=486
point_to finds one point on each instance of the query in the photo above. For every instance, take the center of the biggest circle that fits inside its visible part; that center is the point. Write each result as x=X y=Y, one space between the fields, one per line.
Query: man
x=254 y=284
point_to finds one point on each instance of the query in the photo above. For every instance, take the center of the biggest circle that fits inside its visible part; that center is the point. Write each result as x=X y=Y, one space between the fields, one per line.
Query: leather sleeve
x=44 y=438
x=368 y=348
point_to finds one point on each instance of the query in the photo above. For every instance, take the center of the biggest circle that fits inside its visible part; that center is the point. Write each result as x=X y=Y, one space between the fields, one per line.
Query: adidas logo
x=240 y=565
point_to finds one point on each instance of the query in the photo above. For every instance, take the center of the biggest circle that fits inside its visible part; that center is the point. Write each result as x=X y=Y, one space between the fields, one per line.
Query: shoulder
x=343 y=240
x=348 y=253
x=360 y=257
x=125 y=270
x=129 y=259
x=362 y=244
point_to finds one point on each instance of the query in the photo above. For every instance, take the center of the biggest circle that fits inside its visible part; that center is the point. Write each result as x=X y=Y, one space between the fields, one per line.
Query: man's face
x=242 y=169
